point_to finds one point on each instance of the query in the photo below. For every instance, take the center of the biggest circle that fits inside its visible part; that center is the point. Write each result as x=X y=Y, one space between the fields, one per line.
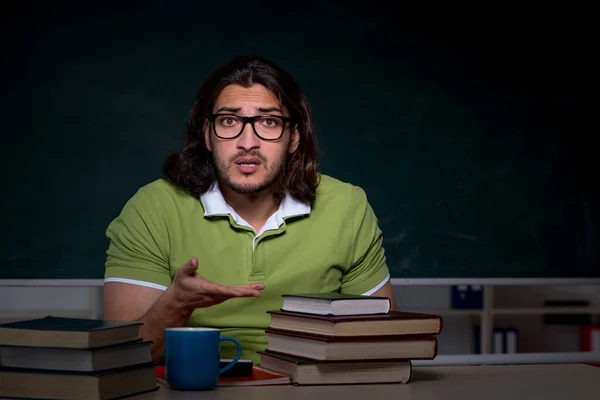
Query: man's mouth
x=247 y=161
x=247 y=165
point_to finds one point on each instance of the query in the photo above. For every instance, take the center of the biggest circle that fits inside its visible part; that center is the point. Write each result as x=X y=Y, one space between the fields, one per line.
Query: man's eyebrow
x=270 y=109
x=260 y=109
x=228 y=109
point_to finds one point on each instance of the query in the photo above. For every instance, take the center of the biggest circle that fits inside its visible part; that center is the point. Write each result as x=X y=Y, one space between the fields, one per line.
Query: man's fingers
x=255 y=286
x=190 y=267
x=249 y=289
x=249 y=292
x=230 y=291
x=236 y=291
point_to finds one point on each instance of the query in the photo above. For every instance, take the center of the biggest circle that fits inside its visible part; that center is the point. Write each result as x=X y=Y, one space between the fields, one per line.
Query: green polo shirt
x=332 y=245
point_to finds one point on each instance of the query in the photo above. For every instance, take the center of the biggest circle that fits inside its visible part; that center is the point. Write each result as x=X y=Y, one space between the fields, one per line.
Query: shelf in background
x=444 y=311
x=505 y=311
x=545 y=310
x=515 y=358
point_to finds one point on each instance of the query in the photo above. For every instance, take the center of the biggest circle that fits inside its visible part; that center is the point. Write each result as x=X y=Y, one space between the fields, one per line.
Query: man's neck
x=256 y=209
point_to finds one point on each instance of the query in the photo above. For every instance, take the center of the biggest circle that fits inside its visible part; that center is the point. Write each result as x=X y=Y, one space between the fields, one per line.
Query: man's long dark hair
x=192 y=168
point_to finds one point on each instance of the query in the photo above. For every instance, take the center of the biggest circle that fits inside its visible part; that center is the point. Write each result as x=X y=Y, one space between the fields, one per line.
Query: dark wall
x=467 y=128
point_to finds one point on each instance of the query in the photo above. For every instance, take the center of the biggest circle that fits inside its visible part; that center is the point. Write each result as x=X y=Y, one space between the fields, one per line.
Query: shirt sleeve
x=367 y=261
x=138 y=243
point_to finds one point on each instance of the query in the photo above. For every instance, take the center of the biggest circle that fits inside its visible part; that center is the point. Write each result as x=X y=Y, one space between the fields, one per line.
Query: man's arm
x=159 y=310
x=366 y=266
x=387 y=290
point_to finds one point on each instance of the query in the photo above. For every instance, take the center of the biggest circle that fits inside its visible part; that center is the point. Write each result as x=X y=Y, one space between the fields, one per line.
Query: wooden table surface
x=491 y=382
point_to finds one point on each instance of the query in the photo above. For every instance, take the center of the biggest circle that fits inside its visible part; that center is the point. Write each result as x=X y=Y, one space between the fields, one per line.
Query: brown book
x=80 y=333
x=318 y=347
x=76 y=359
x=392 y=323
x=305 y=372
x=96 y=385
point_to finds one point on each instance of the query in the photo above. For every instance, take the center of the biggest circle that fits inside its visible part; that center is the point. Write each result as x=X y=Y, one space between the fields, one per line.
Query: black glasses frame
x=250 y=120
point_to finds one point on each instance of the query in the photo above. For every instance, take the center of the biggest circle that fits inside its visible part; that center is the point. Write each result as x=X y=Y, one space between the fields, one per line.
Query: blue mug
x=192 y=357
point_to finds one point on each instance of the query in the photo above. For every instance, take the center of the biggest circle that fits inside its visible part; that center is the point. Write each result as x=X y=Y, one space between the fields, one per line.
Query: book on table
x=335 y=304
x=361 y=340
x=74 y=358
x=259 y=376
x=308 y=372
x=95 y=385
x=322 y=348
x=391 y=323
x=54 y=331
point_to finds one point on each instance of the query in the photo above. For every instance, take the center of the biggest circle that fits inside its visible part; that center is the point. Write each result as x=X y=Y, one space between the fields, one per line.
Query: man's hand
x=159 y=309
x=192 y=291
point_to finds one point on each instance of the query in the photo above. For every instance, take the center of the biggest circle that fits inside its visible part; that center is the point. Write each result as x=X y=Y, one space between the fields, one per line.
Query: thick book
x=322 y=348
x=76 y=359
x=97 y=385
x=306 y=372
x=335 y=304
x=391 y=323
x=54 y=331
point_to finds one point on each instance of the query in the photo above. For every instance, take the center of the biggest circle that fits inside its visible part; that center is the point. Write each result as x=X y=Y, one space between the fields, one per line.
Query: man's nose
x=248 y=139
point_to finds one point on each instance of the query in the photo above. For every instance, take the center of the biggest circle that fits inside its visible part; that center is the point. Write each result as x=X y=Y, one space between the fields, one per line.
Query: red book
x=589 y=339
x=260 y=377
x=391 y=323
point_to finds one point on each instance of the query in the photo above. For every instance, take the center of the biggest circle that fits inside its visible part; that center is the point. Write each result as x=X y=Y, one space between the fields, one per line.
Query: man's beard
x=272 y=178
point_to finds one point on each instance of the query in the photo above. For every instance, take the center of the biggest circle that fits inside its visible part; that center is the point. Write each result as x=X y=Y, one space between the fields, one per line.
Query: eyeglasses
x=266 y=127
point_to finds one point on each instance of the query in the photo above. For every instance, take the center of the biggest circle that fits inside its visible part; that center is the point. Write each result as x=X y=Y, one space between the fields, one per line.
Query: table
x=489 y=382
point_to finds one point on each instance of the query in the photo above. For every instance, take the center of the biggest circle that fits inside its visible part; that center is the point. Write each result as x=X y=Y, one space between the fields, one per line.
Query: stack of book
x=340 y=339
x=74 y=358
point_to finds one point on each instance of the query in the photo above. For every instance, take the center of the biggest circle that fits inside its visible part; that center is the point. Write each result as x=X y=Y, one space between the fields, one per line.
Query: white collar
x=214 y=204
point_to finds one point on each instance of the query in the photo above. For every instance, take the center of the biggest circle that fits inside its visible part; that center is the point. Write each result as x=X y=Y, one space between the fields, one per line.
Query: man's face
x=248 y=164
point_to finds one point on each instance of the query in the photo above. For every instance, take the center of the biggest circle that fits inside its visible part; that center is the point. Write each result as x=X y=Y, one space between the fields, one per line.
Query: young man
x=241 y=217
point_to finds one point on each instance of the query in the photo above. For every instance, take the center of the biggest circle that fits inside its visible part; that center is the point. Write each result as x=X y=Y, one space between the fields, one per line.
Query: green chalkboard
x=472 y=170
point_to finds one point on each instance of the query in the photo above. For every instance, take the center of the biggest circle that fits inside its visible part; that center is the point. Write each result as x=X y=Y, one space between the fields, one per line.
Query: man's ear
x=295 y=141
x=206 y=130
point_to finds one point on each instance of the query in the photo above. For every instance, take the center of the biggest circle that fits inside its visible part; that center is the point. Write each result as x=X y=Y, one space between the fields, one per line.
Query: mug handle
x=237 y=356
